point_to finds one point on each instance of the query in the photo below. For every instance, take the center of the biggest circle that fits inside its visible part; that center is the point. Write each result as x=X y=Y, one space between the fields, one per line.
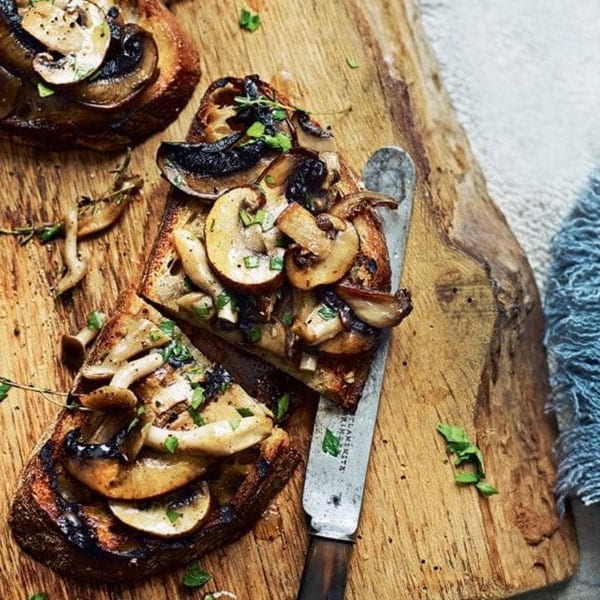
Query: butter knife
x=334 y=485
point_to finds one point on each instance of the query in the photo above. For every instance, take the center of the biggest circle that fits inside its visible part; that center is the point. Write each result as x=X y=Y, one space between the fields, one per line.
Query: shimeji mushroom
x=116 y=395
x=76 y=267
x=73 y=347
x=177 y=514
x=141 y=335
x=195 y=265
x=77 y=30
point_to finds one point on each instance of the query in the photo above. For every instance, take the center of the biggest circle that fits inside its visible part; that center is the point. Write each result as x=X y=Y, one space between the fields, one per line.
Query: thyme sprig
x=243 y=102
x=7 y=384
x=121 y=188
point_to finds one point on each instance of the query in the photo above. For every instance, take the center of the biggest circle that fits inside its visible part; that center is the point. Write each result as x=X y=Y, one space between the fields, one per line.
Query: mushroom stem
x=73 y=347
x=195 y=265
x=221 y=438
x=76 y=266
x=136 y=369
x=308 y=362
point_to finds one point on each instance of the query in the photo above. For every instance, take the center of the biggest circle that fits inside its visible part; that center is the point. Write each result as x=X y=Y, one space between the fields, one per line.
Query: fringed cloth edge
x=572 y=309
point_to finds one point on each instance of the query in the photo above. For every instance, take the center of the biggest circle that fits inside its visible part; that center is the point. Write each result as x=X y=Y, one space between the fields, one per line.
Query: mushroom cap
x=77 y=30
x=110 y=398
x=72 y=350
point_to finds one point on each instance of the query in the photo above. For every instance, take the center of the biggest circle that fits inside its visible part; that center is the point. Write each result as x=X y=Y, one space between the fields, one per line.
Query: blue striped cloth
x=572 y=307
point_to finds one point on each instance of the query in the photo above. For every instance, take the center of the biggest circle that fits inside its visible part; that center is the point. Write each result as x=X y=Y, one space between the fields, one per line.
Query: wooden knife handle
x=324 y=575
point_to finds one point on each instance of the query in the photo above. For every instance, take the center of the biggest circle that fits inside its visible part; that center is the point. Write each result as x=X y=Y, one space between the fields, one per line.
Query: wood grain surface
x=471 y=352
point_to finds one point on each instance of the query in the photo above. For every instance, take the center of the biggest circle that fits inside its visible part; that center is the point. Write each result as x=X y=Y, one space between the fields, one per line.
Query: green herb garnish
x=466 y=453
x=4 y=389
x=245 y=412
x=351 y=62
x=251 y=261
x=139 y=411
x=276 y=263
x=195 y=577
x=171 y=444
x=235 y=423
x=173 y=515
x=197 y=398
x=331 y=443
x=167 y=326
x=95 y=320
x=326 y=313
x=269 y=179
x=287 y=319
x=222 y=300
x=38 y=596
x=280 y=141
x=249 y=21
x=283 y=405
x=44 y=91
x=254 y=335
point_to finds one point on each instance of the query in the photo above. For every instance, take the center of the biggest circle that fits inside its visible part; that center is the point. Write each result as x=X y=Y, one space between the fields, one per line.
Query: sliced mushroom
x=220 y=438
x=122 y=77
x=195 y=265
x=237 y=250
x=307 y=271
x=172 y=516
x=151 y=474
x=10 y=88
x=352 y=205
x=378 y=309
x=321 y=324
x=75 y=29
x=302 y=226
x=198 y=305
x=354 y=341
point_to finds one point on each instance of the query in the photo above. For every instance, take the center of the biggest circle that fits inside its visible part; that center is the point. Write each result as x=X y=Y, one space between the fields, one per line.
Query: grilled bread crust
x=69 y=528
x=55 y=122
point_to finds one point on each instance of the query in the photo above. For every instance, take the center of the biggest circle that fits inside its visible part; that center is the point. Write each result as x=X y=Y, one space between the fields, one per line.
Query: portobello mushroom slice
x=240 y=131
x=10 y=88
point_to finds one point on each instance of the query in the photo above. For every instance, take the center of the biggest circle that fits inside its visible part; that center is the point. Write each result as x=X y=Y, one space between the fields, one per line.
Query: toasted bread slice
x=269 y=242
x=133 y=88
x=173 y=459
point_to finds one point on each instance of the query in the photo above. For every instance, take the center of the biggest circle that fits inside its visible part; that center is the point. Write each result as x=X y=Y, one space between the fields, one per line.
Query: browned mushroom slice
x=353 y=204
x=76 y=31
x=354 y=341
x=177 y=514
x=378 y=309
x=151 y=474
x=326 y=247
x=10 y=87
x=236 y=247
x=122 y=77
x=109 y=398
x=226 y=153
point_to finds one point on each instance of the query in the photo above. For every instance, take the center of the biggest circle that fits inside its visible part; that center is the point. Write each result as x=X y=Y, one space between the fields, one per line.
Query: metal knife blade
x=333 y=487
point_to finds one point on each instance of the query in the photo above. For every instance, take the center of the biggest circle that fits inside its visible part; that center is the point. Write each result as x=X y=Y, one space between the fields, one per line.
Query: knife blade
x=333 y=486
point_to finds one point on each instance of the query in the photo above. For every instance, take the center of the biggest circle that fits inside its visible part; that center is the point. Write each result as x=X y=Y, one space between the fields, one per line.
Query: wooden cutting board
x=470 y=354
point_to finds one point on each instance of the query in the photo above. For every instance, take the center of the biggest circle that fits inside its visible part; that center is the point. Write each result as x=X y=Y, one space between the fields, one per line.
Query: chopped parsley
x=38 y=596
x=466 y=452
x=235 y=423
x=222 y=300
x=4 y=389
x=251 y=261
x=173 y=515
x=245 y=412
x=139 y=411
x=197 y=398
x=95 y=320
x=167 y=326
x=276 y=263
x=331 y=443
x=254 y=335
x=351 y=62
x=171 y=444
x=201 y=311
x=269 y=179
x=283 y=405
x=249 y=21
x=326 y=313
x=280 y=141
x=287 y=318
x=44 y=91
x=195 y=576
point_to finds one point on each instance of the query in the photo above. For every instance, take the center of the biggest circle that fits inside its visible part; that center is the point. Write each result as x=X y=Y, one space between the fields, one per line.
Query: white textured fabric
x=524 y=77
